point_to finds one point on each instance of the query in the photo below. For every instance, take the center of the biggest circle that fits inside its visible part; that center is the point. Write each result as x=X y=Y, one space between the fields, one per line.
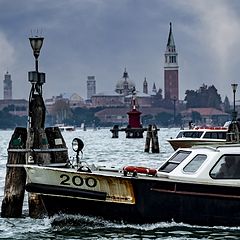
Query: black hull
x=156 y=201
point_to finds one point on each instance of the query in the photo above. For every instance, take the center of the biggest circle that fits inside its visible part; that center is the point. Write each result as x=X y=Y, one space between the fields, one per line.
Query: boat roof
x=204 y=129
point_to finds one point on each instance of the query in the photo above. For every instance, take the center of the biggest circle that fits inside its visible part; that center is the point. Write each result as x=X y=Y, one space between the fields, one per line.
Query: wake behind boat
x=199 y=185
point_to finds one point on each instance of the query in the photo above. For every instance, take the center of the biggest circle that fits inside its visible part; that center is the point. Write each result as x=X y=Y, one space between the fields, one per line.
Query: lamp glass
x=234 y=86
x=36 y=43
x=77 y=145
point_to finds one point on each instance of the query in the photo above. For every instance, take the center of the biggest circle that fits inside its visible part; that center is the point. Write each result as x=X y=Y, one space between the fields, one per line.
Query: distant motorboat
x=199 y=136
x=65 y=128
x=207 y=135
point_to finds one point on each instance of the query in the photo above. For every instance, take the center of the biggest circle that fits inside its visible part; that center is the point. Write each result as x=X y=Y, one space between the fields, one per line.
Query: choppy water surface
x=101 y=149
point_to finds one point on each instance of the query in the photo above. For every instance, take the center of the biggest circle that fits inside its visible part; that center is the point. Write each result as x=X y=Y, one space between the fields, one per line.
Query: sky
x=103 y=37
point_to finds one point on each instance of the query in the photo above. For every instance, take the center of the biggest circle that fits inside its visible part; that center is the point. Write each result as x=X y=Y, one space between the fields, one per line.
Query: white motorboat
x=199 y=136
x=65 y=128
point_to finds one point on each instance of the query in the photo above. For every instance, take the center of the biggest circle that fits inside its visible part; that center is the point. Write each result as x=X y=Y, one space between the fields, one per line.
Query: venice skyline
x=101 y=38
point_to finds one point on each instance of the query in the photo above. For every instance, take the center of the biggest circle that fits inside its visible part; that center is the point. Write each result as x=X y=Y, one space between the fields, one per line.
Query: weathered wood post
x=56 y=141
x=155 y=144
x=114 y=131
x=152 y=139
x=148 y=138
x=37 y=140
x=15 y=175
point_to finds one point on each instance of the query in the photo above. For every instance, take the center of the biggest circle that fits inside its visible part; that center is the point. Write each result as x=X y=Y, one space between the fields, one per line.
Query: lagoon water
x=101 y=149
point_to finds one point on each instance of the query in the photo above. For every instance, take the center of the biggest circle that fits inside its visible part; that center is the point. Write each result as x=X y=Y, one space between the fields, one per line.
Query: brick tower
x=171 y=88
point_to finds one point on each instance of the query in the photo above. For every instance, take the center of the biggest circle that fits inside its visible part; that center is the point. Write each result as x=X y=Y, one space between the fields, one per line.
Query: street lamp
x=36 y=44
x=234 y=88
x=35 y=77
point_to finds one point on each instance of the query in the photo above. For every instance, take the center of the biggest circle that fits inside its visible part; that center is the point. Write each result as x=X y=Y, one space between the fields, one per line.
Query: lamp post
x=37 y=79
x=234 y=88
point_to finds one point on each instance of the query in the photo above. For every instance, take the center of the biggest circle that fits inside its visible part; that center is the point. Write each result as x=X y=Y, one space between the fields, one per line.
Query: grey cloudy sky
x=102 y=37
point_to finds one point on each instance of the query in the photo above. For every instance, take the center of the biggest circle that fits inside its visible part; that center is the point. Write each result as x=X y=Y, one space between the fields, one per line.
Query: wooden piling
x=155 y=144
x=51 y=138
x=15 y=175
x=152 y=139
x=37 y=139
x=56 y=140
x=148 y=138
x=115 y=131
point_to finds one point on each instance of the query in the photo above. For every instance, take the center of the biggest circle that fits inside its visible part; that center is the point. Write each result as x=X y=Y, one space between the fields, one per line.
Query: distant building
x=7 y=87
x=107 y=99
x=171 y=87
x=17 y=107
x=91 y=86
x=73 y=100
x=211 y=116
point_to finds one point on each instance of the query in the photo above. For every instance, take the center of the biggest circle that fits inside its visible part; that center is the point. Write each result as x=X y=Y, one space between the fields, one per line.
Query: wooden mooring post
x=48 y=140
x=15 y=176
x=115 y=131
x=152 y=139
x=34 y=146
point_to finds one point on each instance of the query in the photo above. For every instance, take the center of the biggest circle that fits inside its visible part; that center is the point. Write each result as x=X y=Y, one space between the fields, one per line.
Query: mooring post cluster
x=31 y=145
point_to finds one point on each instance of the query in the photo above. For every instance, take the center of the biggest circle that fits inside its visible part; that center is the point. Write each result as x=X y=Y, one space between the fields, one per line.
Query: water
x=101 y=149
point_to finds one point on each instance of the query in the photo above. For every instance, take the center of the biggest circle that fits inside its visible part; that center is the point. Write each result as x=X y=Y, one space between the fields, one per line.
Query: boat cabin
x=213 y=134
x=204 y=164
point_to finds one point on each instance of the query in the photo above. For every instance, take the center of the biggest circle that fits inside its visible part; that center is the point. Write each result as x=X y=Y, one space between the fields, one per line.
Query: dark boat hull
x=155 y=201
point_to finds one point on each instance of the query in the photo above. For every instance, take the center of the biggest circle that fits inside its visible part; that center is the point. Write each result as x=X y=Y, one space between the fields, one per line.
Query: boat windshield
x=174 y=161
x=190 y=134
x=195 y=163
x=228 y=167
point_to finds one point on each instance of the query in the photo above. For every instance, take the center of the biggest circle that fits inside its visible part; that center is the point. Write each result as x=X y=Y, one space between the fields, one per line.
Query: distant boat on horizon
x=65 y=128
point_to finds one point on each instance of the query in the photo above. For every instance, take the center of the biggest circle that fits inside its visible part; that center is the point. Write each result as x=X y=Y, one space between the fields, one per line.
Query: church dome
x=124 y=85
x=120 y=84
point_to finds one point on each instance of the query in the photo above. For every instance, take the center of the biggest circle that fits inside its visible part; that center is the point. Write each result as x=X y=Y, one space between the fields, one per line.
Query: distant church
x=124 y=87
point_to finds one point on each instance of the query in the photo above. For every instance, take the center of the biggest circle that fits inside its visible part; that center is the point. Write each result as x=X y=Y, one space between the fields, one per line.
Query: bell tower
x=7 y=89
x=145 y=86
x=171 y=88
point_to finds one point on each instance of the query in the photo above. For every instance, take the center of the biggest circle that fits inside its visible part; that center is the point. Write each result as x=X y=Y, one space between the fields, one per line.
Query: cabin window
x=216 y=135
x=174 y=161
x=195 y=164
x=228 y=167
x=190 y=134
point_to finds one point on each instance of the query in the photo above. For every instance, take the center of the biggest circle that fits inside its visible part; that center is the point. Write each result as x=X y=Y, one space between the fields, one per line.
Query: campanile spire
x=171 y=87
